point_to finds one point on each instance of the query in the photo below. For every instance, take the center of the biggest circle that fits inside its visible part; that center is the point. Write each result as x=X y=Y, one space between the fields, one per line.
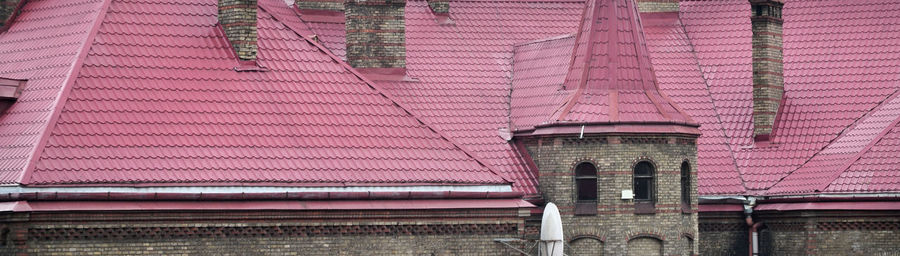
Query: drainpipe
x=753 y=236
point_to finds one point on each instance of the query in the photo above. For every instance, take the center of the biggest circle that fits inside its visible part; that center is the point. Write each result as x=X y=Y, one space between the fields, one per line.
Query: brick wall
x=644 y=246
x=238 y=19
x=447 y=232
x=658 y=5
x=585 y=246
x=768 y=77
x=322 y=5
x=830 y=233
x=723 y=234
x=616 y=222
x=802 y=233
x=376 y=33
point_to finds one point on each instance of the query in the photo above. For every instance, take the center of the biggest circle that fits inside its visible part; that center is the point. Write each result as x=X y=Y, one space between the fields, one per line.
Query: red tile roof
x=156 y=101
x=609 y=77
x=679 y=76
x=835 y=76
x=41 y=46
x=464 y=71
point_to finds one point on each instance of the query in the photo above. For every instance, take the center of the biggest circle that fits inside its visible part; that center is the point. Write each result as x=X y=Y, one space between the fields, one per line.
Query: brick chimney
x=768 y=76
x=376 y=37
x=320 y=8
x=653 y=6
x=238 y=19
x=439 y=7
x=8 y=11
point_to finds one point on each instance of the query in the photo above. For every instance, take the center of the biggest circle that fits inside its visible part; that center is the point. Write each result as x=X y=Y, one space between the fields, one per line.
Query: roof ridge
x=63 y=95
x=375 y=86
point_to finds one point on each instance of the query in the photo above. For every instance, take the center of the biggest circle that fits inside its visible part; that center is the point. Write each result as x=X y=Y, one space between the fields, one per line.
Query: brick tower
x=615 y=154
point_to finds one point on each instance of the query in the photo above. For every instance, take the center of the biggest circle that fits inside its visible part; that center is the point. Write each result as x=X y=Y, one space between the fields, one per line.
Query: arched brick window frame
x=585 y=188
x=656 y=239
x=644 y=186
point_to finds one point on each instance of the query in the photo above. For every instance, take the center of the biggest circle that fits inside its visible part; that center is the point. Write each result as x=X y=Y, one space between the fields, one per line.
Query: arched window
x=644 y=188
x=586 y=182
x=685 y=187
x=586 y=189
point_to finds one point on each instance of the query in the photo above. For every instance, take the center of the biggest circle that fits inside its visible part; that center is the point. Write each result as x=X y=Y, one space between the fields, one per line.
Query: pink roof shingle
x=158 y=102
x=153 y=97
x=41 y=46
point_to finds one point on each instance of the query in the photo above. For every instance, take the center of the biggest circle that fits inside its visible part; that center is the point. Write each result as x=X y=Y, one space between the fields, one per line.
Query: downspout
x=753 y=236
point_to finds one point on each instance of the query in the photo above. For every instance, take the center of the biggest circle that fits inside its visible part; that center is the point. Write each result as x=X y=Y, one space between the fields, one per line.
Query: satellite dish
x=551 y=232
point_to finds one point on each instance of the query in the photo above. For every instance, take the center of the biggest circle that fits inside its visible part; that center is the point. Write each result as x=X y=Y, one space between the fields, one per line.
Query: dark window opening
x=685 y=187
x=644 y=188
x=643 y=181
x=586 y=189
x=586 y=182
x=758 y=10
x=4 y=237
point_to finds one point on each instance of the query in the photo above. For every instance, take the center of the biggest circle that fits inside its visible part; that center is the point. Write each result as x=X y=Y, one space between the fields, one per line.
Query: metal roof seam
x=71 y=77
x=382 y=92
x=712 y=99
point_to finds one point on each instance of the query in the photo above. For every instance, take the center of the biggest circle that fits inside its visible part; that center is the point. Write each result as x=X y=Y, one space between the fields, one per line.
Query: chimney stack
x=320 y=7
x=238 y=19
x=440 y=7
x=8 y=11
x=376 y=37
x=658 y=6
x=768 y=76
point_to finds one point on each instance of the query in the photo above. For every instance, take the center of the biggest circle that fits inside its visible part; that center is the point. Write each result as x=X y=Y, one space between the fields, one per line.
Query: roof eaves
x=377 y=88
x=60 y=102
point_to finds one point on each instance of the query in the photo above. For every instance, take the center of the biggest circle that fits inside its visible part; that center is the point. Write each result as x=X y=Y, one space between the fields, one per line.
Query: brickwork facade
x=448 y=232
x=645 y=246
x=238 y=19
x=802 y=233
x=723 y=234
x=830 y=233
x=376 y=33
x=768 y=68
x=658 y=5
x=321 y=5
x=616 y=222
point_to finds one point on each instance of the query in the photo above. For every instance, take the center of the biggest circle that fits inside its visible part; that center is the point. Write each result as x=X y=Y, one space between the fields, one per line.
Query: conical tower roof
x=610 y=75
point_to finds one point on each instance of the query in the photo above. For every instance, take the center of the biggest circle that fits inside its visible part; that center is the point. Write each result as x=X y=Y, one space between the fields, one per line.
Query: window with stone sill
x=644 y=188
x=586 y=189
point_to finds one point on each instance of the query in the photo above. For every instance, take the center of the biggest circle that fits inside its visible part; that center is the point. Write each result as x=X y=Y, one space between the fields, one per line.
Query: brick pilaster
x=768 y=77
x=376 y=34
x=238 y=19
